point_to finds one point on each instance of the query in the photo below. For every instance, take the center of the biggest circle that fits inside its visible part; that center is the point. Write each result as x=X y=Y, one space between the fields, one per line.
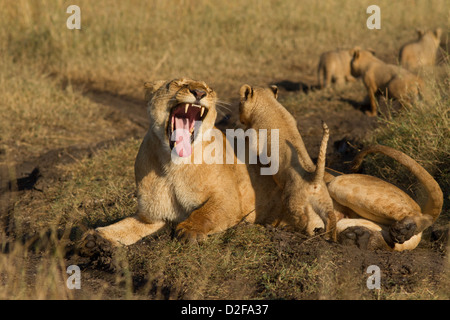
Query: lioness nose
x=198 y=94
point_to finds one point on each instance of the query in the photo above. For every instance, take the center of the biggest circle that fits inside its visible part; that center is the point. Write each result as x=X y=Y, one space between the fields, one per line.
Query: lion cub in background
x=380 y=77
x=304 y=193
x=334 y=66
x=421 y=52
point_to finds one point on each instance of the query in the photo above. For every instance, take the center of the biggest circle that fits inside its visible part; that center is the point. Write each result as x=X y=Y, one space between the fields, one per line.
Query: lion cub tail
x=330 y=217
x=435 y=198
x=320 y=167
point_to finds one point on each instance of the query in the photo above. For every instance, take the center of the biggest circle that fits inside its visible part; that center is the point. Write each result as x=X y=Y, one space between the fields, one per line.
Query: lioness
x=380 y=77
x=305 y=195
x=200 y=199
x=421 y=52
x=334 y=66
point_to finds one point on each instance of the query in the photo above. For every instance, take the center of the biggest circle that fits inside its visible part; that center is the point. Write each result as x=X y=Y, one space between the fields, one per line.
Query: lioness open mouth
x=181 y=124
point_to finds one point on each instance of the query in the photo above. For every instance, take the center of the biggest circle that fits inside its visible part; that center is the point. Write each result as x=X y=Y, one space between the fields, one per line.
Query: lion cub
x=334 y=66
x=304 y=194
x=379 y=214
x=421 y=52
x=380 y=77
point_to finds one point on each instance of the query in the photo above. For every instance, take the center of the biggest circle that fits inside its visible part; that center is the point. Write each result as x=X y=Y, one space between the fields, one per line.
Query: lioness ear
x=371 y=51
x=274 y=89
x=246 y=92
x=151 y=87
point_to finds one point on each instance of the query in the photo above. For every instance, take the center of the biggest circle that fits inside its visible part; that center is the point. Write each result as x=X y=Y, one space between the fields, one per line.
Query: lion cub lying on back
x=421 y=52
x=304 y=193
x=389 y=79
x=379 y=215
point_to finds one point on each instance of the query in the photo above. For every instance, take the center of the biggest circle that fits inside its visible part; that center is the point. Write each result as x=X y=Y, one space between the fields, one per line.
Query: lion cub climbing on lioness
x=304 y=193
x=380 y=77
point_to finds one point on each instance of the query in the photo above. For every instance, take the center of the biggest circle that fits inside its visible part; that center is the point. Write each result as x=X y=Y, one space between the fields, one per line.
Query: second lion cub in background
x=380 y=77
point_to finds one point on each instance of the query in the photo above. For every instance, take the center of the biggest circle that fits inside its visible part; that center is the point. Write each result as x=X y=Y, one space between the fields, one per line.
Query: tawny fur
x=421 y=52
x=382 y=78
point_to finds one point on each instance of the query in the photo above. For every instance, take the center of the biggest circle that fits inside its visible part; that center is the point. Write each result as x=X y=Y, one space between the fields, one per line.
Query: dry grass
x=223 y=43
x=45 y=67
x=123 y=44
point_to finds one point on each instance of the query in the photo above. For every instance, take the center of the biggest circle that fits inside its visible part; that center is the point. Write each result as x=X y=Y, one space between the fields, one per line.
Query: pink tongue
x=182 y=137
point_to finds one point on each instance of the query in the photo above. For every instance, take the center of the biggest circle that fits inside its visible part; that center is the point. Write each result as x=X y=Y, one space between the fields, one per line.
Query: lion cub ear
x=355 y=52
x=274 y=89
x=420 y=33
x=151 y=87
x=246 y=92
x=437 y=33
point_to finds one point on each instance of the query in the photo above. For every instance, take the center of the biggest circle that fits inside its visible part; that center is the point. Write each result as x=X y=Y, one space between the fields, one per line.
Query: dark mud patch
x=256 y=262
x=29 y=172
x=133 y=109
x=289 y=85
x=30 y=180
x=347 y=266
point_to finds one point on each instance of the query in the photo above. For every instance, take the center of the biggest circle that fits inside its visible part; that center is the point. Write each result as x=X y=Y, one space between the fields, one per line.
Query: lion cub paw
x=185 y=233
x=402 y=230
x=97 y=249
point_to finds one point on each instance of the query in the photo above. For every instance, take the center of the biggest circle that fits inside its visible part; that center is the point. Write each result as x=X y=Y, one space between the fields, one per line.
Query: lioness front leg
x=212 y=217
x=100 y=244
x=125 y=232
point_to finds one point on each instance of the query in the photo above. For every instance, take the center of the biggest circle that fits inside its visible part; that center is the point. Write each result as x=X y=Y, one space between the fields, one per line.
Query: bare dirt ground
x=404 y=272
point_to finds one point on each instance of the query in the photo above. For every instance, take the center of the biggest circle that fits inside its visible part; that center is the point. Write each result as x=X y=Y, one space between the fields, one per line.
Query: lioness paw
x=189 y=235
x=97 y=249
